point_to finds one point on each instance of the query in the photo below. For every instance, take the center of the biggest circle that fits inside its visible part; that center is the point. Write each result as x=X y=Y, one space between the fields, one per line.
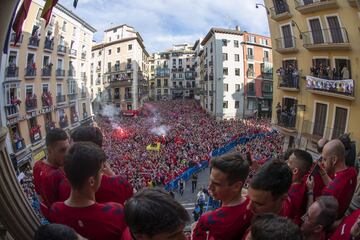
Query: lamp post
x=262 y=5
x=294 y=24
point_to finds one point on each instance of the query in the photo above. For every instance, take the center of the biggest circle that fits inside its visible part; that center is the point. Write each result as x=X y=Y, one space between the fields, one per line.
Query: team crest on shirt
x=80 y=223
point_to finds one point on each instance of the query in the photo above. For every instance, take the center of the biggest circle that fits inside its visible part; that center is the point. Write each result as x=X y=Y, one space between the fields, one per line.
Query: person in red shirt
x=343 y=185
x=83 y=166
x=113 y=188
x=48 y=173
x=319 y=218
x=230 y=221
x=268 y=226
x=299 y=163
x=56 y=231
x=348 y=228
x=153 y=214
x=268 y=191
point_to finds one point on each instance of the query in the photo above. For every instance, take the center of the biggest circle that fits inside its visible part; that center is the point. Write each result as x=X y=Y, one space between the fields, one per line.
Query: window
x=100 y=52
x=251 y=104
x=29 y=90
x=165 y=82
x=320 y=119
x=115 y=30
x=252 y=39
x=225 y=71
x=237 y=104
x=158 y=92
x=225 y=104
x=174 y=84
x=38 y=16
x=226 y=87
x=224 y=42
x=237 y=57
x=58 y=89
x=225 y=56
x=45 y=87
x=237 y=71
x=339 y=122
x=236 y=43
x=166 y=91
x=64 y=26
x=237 y=87
x=118 y=50
x=109 y=52
x=74 y=31
x=158 y=82
x=130 y=47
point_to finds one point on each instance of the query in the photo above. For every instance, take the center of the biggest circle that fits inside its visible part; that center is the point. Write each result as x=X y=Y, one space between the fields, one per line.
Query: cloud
x=163 y=23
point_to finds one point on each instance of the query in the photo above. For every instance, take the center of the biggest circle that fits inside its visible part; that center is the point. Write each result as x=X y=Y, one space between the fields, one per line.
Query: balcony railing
x=286 y=118
x=73 y=52
x=30 y=72
x=250 y=93
x=64 y=123
x=83 y=94
x=34 y=41
x=211 y=77
x=71 y=73
x=326 y=39
x=128 y=96
x=128 y=66
x=12 y=71
x=250 y=73
x=49 y=44
x=354 y=3
x=46 y=72
x=83 y=55
x=344 y=89
x=35 y=134
x=317 y=130
x=286 y=45
x=60 y=98
x=72 y=97
x=12 y=39
x=309 y=6
x=47 y=100
x=250 y=57
x=280 y=12
x=11 y=110
x=74 y=117
x=289 y=81
x=19 y=144
x=61 y=49
x=31 y=102
x=267 y=76
x=266 y=59
x=60 y=73
x=83 y=76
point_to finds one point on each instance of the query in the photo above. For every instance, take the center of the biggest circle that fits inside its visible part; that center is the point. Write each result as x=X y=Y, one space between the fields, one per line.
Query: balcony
x=83 y=76
x=49 y=125
x=280 y=12
x=211 y=77
x=60 y=98
x=71 y=73
x=34 y=42
x=314 y=131
x=72 y=97
x=353 y=3
x=326 y=39
x=61 y=50
x=286 y=120
x=250 y=57
x=73 y=53
x=19 y=144
x=47 y=100
x=250 y=73
x=83 y=55
x=60 y=73
x=128 y=97
x=128 y=66
x=83 y=95
x=46 y=72
x=267 y=76
x=12 y=71
x=12 y=39
x=266 y=59
x=98 y=81
x=98 y=69
x=30 y=72
x=286 y=45
x=49 y=45
x=310 y=6
x=35 y=134
x=74 y=118
x=343 y=89
x=30 y=102
x=11 y=110
x=64 y=122
x=289 y=81
x=211 y=63
x=251 y=93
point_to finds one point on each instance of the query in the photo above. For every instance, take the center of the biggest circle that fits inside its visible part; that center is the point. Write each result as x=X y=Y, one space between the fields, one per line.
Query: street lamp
x=294 y=24
x=260 y=4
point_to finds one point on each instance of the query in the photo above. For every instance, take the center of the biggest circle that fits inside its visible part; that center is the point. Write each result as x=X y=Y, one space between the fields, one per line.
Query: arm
x=324 y=176
x=198 y=230
x=310 y=194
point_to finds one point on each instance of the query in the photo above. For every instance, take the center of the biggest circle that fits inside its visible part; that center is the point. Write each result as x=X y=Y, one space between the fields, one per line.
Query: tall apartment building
x=151 y=86
x=316 y=57
x=182 y=71
x=162 y=82
x=198 y=49
x=119 y=69
x=258 y=74
x=44 y=82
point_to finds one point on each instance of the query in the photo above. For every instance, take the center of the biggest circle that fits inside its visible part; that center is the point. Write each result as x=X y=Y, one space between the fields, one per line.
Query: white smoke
x=160 y=130
x=109 y=111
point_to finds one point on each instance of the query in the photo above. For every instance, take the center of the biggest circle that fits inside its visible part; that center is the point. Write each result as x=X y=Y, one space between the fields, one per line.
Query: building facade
x=44 y=79
x=162 y=84
x=119 y=70
x=316 y=61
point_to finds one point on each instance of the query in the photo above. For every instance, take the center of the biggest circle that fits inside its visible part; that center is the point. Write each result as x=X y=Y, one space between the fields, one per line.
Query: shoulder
x=111 y=208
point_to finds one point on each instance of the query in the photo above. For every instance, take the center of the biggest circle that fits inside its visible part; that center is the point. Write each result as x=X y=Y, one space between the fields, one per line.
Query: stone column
x=16 y=214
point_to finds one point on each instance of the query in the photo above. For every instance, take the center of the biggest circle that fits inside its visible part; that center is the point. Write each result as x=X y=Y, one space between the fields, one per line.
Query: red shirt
x=298 y=198
x=112 y=189
x=47 y=180
x=96 y=222
x=224 y=223
x=343 y=231
x=342 y=187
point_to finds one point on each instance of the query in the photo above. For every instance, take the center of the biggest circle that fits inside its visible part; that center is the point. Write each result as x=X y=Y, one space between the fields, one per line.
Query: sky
x=162 y=23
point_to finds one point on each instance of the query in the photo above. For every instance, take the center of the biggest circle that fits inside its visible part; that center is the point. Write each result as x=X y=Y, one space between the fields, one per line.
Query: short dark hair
x=329 y=209
x=88 y=133
x=54 y=136
x=55 y=231
x=233 y=165
x=286 y=155
x=154 y=211
x=269 y=226
x=83 y=160
x=305 y=160
x=274 y=176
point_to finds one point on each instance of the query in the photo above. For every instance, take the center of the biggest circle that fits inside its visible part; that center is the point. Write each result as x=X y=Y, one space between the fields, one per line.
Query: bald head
x=335 y=148
x=320 y=144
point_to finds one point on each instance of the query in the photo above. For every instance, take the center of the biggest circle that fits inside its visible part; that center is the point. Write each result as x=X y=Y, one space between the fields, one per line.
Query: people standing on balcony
x=278 y=112
x=345 y=73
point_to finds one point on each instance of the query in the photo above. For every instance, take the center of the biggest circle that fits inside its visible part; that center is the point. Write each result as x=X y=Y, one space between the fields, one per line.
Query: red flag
x=46 y=12
x=20 y=18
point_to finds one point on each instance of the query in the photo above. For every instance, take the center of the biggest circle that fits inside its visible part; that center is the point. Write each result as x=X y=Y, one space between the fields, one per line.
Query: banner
x=336 y=86
x=153 y=147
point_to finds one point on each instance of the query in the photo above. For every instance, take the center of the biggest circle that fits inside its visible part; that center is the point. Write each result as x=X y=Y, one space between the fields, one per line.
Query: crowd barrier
x=173 y=184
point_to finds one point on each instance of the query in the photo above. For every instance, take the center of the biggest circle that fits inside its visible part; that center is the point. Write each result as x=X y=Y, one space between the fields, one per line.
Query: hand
x=310 y=183
x=107 y=170
x=322 y=171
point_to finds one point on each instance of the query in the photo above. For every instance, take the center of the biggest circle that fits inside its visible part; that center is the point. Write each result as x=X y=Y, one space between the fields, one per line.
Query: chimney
x=237 y=28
